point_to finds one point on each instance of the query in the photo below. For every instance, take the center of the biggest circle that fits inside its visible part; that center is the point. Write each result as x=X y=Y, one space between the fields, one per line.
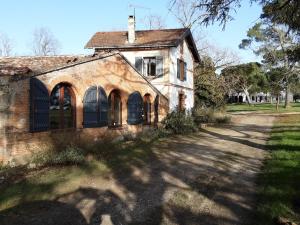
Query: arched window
x=95 y=106
x=114 y=109
x=39 y=106
x=62 y=107
x=147 y=109
x=181 y=101
x=156 y=105
x=135 y=108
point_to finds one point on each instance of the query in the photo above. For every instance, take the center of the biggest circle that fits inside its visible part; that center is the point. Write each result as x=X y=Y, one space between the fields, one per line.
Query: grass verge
x=279 y=183
x=263 y=107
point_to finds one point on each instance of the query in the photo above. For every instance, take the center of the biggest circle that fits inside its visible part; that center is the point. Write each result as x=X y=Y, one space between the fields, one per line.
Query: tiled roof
x=147 y=38
x=35 y=64
x=144 y=39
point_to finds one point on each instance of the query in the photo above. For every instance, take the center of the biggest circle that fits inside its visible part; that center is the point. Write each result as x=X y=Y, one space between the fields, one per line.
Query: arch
x=95 y=107
x=181 y=101
x=156 y=109
x=114 y=108
x=147 y=109
x=135 y=108
x=62 y=110
x=39 y=106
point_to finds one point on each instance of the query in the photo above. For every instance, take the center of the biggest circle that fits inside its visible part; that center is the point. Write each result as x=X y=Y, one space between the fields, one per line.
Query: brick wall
x=17 y=143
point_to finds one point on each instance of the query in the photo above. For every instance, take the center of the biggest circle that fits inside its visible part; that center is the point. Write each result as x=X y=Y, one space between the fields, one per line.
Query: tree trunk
x=277 y=103
x=287 y=103
x=247 y=96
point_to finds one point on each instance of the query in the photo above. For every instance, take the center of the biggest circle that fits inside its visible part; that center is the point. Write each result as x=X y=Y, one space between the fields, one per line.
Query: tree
x=210 y=90
x=44 y=43
x=153 y=21
x=5 y=45
x=276 y=83
x=279 y=11
x=274 y=43
x=248 y=78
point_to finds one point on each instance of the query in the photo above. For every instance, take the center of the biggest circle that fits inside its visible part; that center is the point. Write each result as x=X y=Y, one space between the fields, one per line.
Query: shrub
x=223 y=119
x=208 y=115
x=179 y=122
x=70 y=156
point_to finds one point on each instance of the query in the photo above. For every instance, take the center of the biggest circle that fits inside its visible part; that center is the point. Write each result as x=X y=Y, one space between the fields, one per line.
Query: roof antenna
x=137 y=6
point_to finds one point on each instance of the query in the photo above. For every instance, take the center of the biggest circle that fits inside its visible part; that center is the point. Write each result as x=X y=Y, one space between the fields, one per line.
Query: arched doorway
x=62 y=107
x=147 y=109
x=114 y=109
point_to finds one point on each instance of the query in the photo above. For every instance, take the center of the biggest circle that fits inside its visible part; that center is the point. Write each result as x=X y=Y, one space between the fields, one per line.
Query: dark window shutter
x=139 y=64
x=103 y=107
x=135 y=109
x=178 y=68
x=185 y=71
x=90 y=108
x=39 y=106
x=159 y=66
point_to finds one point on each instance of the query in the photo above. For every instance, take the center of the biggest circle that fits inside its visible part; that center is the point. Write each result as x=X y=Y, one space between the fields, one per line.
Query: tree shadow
x=147 y=175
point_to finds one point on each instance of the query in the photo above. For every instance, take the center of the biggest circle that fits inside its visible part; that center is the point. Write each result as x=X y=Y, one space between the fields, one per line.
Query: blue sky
x=74 y=22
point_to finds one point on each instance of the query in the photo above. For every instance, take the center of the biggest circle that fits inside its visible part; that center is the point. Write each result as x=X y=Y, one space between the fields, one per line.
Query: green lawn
x=279 y=193
x=262 y=107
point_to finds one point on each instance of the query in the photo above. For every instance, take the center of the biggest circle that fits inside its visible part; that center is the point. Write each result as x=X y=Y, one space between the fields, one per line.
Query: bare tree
x=186 y=12
x=5 y=45
x=221 y=57
x=44 y=42
x=153 y=21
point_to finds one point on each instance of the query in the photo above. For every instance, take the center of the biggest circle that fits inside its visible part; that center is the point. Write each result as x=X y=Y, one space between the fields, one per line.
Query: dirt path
x=205 y=178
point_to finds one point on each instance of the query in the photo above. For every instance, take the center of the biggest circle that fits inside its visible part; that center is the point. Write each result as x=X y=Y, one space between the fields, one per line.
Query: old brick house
x=49 y=100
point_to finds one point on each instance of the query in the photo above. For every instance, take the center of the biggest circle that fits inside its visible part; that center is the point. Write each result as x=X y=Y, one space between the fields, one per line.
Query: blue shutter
x=178 y=68
x=139 y=64
x=185 y=71
x=135 y=109
x=90 y=108
x=159 y=66
x=103 y=107
x=39 y=106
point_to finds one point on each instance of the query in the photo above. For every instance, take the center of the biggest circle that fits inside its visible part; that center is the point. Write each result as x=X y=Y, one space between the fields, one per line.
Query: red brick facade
x=113 y=72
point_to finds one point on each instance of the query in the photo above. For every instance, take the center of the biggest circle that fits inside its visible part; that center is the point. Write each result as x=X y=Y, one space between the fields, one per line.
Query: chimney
x=131 y=29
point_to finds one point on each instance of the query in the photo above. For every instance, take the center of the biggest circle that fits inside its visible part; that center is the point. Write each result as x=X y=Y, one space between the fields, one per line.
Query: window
x=115 y=109
x=181 y=102
x=147 y=109
x=156 y=105
x=149 y=66
x=62 y=107
x=95 y=106
x=39 y=106
x=135 y=108
x=181 y=70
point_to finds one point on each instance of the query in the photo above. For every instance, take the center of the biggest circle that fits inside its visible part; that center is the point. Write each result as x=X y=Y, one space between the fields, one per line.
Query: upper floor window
x=149 y=66
x=181 y=70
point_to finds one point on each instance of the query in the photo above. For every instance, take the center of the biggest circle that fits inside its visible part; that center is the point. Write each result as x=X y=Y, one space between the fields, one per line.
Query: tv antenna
x=134 y=6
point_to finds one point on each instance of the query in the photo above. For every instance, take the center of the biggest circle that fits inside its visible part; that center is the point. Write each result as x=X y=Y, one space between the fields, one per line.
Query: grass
x=262 y=107
x=50 y=182
x=279 y=192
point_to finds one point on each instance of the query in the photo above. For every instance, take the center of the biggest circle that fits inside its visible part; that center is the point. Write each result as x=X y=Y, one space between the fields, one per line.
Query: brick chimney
x=131 y=29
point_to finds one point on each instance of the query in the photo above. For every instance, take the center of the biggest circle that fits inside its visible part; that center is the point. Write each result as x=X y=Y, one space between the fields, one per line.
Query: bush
x=70 y=156
x=179 y=122
x=223 y=119
x=208 y=115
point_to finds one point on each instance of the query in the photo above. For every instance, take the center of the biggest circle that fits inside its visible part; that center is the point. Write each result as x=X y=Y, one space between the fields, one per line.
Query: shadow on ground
x=205 y=178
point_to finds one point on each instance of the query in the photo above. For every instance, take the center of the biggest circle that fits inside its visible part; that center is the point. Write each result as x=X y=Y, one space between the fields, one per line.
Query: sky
x=74 y=22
